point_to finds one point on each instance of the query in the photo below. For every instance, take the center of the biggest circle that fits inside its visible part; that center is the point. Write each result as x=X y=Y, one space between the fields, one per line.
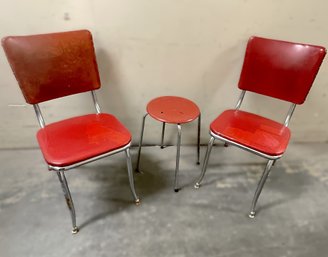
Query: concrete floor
x=292 y=218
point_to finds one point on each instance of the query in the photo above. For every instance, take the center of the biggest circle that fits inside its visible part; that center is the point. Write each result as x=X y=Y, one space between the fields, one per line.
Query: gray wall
x=148 y=48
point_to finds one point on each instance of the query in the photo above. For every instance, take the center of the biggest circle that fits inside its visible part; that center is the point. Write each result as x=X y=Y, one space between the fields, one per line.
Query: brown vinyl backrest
x=49 y=66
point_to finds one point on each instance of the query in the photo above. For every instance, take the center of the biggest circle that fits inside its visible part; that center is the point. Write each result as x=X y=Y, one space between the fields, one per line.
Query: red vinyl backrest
x=49 y=66
x=280 y=69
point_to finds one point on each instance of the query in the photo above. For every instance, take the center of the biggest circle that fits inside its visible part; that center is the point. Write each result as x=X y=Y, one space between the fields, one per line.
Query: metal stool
x=173 y=110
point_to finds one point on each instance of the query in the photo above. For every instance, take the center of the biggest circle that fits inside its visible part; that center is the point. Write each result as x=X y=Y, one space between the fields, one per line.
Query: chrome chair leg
x=163 y=132
x=176 y=187
x=207 y=155
x=69 y=201
x=140 y=142
x=259 y=187
x=131 y=179
x=198 y=139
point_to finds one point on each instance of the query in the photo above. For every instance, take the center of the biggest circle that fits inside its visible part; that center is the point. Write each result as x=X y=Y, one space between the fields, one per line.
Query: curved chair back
x=280 y=69
x=53 y=65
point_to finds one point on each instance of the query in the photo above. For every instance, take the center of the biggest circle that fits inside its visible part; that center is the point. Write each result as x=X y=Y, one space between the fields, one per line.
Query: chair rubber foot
x=162 y=147
x=197 y=185
x=197 y=163
x=137 y=202
x=251 y=215
x=176 y=190
x=75 y=230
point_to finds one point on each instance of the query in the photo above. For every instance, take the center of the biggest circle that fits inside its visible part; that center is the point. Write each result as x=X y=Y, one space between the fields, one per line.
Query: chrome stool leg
x=198 y=139
x=260 y=185
x=69 y=201
x=130 y=173
x=207 y=155
x=176 y=188
x=163 y=132
x=140 y=142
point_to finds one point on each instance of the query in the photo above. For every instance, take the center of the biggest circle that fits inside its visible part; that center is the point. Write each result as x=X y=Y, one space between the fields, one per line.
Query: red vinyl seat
x=55 y=65
x=252 y=131
x=274 y=68
x=88 y=136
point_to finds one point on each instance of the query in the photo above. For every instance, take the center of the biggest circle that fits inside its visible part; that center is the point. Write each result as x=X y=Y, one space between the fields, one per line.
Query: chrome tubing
x=230 y=142
x=198 y=139
x=176 y=187
x=163 y=132
x=140 y=142
x=95 y=102
x=130 y=174
x=259 y=188
x=68 y=198
x=240 y=99
x=39 y=115
x=207 y=155
x=289 y=114
x=64 y=168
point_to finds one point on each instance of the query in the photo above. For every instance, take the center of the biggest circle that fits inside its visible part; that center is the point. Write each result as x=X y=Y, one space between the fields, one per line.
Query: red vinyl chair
x=274 y=68
x=50 y=66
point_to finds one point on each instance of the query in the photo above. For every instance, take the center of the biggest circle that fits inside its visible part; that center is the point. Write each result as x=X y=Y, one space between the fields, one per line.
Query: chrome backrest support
x=240 y=100
x=289 y=114
x=95 y=102
x=40 y=118
x=39 y=115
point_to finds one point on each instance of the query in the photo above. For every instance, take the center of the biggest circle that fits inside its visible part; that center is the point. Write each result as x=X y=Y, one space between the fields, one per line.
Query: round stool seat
x=173 y=109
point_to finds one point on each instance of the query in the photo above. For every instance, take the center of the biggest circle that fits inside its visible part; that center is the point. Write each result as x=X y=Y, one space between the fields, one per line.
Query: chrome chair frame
x=61 y=170
x=176 y=184
x=271 y=158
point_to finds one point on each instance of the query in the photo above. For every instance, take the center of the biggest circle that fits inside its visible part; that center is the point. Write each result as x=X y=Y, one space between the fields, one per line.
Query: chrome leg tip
x=137 y=170
x=137 y=202
x=197 y=185
x=75 y=230
x=251 y=215
x=176 y=190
